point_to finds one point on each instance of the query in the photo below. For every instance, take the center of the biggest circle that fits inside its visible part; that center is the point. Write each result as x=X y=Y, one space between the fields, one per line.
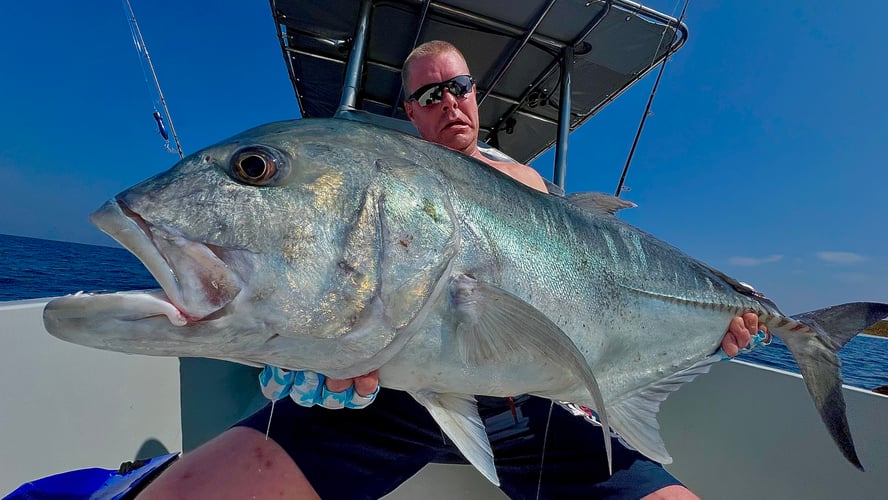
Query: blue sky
x=763 y=156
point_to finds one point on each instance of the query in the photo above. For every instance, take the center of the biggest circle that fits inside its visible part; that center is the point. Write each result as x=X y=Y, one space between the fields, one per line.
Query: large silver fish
x=341 y=247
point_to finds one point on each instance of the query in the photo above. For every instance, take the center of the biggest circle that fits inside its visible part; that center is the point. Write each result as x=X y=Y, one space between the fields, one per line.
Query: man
x=368 y=453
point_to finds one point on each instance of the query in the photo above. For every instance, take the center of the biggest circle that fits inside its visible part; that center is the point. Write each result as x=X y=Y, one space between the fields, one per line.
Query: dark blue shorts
x=368 y=453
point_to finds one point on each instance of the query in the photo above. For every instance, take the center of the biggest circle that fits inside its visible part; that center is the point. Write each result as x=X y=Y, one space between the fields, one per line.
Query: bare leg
x=674 y=492
x=239 y=463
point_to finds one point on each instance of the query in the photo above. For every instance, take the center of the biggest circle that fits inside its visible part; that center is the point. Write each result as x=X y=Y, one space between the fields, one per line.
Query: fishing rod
x=647 y=109
x=144 y=57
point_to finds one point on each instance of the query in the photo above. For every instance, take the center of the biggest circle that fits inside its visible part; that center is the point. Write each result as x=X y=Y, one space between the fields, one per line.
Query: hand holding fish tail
x=308 y=388
x=740 y=333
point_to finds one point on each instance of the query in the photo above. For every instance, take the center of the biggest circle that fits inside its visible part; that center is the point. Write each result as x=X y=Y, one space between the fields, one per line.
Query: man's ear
x=408 y=107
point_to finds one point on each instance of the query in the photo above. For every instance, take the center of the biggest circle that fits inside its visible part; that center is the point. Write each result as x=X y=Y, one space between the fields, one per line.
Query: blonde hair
x=431 y=48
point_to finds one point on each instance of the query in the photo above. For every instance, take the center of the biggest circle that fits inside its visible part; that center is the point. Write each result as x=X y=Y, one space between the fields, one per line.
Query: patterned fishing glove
x=307 y=388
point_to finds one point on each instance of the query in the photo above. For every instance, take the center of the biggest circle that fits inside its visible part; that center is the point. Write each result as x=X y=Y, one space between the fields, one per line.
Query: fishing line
x=270 y=414
x=155 y=92
x=543 y=453
x=647 y=109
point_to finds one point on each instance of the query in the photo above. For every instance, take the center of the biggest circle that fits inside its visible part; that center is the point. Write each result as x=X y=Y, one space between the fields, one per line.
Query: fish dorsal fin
x=635 y=417
x=493 y=324
x=599 y=202
x=457 y=415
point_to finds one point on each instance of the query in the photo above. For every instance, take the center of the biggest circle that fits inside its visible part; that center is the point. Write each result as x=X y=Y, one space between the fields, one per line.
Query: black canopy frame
x=543 y=67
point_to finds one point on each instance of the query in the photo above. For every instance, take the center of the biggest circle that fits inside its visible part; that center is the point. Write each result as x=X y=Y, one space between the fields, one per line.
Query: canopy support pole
x=560 y=171
x=355 y=61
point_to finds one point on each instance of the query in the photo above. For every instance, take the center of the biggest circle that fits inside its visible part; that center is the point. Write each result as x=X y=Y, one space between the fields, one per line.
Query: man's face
x=453 y=122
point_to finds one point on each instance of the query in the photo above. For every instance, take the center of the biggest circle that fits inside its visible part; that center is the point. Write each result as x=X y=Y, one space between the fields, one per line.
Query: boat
x=544 y=67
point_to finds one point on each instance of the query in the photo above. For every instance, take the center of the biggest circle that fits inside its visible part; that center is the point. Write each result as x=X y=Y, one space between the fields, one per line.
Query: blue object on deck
x=95 y=483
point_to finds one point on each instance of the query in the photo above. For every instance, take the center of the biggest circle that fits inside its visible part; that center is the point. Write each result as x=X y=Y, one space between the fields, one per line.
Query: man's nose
x=449 y=100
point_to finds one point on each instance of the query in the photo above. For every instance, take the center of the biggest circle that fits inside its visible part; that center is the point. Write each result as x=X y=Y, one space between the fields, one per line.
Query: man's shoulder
x=522 y=173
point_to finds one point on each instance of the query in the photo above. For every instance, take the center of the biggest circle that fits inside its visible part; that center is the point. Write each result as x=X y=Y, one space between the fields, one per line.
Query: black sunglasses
x=433 y=93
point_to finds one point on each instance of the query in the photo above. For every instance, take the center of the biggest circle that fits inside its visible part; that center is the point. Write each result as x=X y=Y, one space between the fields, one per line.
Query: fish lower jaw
x=130 y=306
x=173 y=313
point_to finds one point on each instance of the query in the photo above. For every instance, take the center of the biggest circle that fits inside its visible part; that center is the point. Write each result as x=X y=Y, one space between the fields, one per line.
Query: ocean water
x=36 y=268
x=33 y=268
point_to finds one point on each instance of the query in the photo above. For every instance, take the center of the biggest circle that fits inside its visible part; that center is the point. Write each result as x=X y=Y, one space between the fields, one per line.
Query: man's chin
x=460 y=140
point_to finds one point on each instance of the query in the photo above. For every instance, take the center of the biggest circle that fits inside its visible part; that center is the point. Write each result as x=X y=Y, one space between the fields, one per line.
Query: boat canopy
x=345 y=56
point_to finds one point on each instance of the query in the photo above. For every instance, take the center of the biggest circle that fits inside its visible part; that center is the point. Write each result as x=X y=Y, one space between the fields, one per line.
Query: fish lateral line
x=728 y=308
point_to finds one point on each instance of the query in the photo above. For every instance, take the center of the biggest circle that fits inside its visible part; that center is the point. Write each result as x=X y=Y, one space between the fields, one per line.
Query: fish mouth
x=198 y=279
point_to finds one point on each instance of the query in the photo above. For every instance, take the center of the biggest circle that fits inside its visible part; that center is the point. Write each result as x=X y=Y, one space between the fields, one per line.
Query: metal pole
x=517 y=50
x=423 y=15
x=355 y=60
x=567 y=56
x=647 y=108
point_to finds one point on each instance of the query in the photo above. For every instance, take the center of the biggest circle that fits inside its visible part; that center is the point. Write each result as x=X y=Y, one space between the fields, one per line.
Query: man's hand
x=309 y=388
x=364 y=385
x=740 y=332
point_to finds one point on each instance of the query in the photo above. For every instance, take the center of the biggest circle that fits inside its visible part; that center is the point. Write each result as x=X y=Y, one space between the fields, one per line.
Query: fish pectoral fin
x=457 y=415
x=493 y=325
x=635 y=417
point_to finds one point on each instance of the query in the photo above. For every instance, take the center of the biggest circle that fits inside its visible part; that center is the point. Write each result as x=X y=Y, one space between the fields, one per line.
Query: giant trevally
x=341 y=247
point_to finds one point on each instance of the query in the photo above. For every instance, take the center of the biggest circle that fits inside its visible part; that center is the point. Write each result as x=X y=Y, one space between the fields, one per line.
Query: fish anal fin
x=634 y=418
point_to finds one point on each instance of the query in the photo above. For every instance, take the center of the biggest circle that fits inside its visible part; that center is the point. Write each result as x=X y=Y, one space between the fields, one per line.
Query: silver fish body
x=341 y=247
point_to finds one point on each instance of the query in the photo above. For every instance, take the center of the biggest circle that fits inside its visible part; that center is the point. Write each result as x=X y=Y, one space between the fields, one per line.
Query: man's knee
x=239 y=463
x=672 y=492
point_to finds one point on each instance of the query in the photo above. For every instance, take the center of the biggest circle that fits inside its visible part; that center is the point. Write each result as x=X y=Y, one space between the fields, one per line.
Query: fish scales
x=589 y=277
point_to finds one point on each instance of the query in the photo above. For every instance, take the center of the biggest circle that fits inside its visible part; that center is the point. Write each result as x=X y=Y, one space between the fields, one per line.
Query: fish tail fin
x=845 y=321
x=814 y=339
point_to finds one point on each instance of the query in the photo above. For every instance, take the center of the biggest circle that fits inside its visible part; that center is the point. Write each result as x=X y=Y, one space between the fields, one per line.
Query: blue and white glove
x=307 y=388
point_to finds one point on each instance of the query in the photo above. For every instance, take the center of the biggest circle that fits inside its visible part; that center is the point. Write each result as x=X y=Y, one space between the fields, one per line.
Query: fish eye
x=257 y=165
